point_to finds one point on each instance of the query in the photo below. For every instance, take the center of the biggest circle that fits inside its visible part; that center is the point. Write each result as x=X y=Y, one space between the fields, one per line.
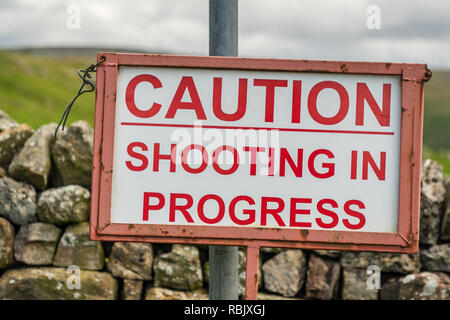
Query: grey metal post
x=223 y=41
x=223 y=28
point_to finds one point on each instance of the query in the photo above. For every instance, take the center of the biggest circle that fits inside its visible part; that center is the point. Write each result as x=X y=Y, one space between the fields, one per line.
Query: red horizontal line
x=254 y=128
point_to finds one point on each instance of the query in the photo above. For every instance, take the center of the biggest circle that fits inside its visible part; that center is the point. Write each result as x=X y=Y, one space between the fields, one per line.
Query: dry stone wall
x=46 y=253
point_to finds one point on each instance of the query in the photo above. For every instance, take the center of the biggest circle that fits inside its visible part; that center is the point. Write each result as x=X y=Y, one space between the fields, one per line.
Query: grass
x=436 y=124
x=37 y=89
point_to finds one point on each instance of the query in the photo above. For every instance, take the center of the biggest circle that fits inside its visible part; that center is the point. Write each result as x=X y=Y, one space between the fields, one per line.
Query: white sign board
x=253 y=149
x=325 y=149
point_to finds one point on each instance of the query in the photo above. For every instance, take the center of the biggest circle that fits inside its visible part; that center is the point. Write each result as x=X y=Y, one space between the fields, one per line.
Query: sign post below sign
x=223 y=41
x=257 y=153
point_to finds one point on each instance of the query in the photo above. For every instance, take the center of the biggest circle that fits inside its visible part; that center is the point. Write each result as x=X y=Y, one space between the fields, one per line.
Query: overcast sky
x=411 y=30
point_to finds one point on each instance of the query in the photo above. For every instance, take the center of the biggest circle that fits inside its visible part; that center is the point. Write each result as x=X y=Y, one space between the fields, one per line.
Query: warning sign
x=229 y=150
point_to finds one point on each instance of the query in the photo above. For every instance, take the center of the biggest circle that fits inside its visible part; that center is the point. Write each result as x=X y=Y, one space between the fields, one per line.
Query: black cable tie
x=85 y=76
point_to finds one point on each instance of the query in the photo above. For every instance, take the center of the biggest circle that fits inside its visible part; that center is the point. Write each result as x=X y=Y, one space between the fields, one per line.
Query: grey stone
x=329 y=253
x=354 y=285
x=17 y=201
x=132 y=289
x=432 y=198
x=271 y=250
x=72 y=154
x=50 y=283
x=387 y=262
x=36 y=243
x=285 y=273
x=12 y=141
x=155 y=293
x=445 y=227
x=6 y=122
x=417 y=286
x=131 y=260
x=33 y=163
x=64 y=205
x=75 y=248
x=268 y=296
x=178 y=269
x=6 y=243
x=322 y=278
x=436 y=258
x=205 y=272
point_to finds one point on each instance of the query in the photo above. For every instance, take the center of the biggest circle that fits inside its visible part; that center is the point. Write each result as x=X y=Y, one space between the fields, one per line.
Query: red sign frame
x=405 y=240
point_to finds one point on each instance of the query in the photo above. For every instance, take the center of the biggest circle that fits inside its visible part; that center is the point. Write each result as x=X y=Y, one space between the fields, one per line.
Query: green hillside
x=36 y=90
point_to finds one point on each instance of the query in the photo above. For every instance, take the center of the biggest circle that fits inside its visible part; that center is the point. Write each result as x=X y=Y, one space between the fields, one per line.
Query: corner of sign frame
x=111 y=58
x=413 y=249
x=95 y=231
x=100 y=55
x=419 y=73
x=411 y=243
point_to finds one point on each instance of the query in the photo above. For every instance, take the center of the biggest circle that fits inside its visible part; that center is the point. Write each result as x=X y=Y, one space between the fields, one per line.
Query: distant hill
x=74 y=52
x=37 y=84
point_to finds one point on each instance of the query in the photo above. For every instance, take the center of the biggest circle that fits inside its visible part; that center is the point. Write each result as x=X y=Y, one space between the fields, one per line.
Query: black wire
x=87 y=81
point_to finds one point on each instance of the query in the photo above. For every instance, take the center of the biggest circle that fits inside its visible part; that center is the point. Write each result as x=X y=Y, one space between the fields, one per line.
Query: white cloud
x=411 y=31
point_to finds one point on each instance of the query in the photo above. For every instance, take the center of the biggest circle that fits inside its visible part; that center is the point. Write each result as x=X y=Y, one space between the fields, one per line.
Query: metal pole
x=223 y=28
x=223 y=41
